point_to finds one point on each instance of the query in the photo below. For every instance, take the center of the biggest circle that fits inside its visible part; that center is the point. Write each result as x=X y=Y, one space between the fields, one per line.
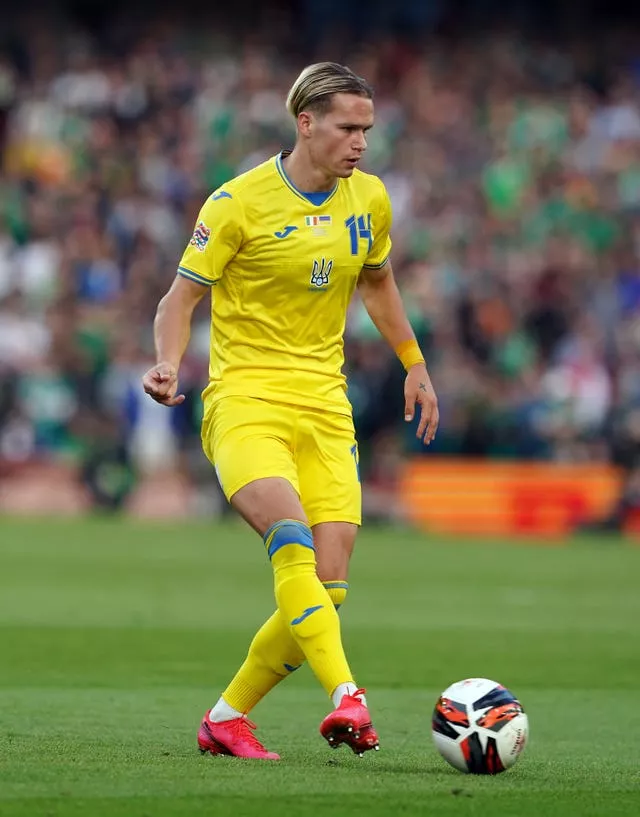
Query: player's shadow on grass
x=416 y=768
x=394 y=768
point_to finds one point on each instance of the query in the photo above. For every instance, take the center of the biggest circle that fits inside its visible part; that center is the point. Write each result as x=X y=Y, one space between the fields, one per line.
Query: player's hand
x=418 y=390
x=161 y=383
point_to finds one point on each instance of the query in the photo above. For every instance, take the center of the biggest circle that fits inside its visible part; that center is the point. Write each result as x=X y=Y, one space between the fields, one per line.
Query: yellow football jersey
x=283 y=271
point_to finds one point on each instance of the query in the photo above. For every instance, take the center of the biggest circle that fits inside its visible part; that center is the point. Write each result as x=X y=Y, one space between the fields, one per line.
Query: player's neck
x=304 y=176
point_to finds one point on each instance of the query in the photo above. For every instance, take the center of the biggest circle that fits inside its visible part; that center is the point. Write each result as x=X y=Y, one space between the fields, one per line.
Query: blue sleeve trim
x=193 y=276
x=376 y=266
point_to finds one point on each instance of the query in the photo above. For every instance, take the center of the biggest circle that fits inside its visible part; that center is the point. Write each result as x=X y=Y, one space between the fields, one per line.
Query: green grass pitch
x=116 y=636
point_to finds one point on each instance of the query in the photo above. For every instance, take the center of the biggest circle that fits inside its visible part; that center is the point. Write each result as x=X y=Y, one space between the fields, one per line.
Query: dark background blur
x=507 y=133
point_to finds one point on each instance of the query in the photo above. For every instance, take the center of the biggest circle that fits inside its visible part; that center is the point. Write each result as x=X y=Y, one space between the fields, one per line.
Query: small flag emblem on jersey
x=318 y=221
x=200 y=236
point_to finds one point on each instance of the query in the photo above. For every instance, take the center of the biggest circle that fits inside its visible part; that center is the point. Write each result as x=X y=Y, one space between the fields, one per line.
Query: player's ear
x=305 y=123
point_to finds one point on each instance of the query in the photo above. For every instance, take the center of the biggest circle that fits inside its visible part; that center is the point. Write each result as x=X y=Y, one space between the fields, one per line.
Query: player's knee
x=290 y=543
x=337 y=591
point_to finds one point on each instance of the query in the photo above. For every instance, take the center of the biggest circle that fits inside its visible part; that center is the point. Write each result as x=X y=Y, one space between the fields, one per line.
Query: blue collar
x=317 y=199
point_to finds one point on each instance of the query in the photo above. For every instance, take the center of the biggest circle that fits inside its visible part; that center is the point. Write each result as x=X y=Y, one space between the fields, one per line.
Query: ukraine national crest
x=321 y=272
x=200 y=236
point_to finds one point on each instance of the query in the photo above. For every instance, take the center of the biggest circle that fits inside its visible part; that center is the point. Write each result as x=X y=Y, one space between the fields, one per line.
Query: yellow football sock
x=337 y=591
x=273 y=655
x=305 y=604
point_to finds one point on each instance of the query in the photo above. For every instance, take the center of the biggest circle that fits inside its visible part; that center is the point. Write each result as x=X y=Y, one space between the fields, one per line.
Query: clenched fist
x=161 y=383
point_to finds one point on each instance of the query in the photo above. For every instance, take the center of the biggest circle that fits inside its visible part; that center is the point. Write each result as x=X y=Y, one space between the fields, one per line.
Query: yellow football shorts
x=247 y=439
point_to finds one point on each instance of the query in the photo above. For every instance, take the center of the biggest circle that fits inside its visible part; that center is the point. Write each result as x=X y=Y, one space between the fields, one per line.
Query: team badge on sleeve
x=200 y=236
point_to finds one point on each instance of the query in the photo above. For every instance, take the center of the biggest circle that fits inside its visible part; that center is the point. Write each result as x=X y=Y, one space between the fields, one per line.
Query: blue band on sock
x=275 y=526
x=335 y=585
x=287 y=532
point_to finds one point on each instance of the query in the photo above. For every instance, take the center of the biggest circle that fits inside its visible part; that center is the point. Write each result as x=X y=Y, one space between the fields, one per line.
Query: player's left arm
x=380 y=295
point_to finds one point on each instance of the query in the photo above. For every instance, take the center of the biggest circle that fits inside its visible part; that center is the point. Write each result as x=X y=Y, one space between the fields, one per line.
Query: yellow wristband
x=409 y=353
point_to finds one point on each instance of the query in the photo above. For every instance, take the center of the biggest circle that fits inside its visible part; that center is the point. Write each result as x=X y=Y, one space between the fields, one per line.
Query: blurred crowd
x=513 y=168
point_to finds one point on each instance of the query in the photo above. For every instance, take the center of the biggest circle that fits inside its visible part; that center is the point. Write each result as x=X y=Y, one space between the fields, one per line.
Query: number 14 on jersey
x=359 y=230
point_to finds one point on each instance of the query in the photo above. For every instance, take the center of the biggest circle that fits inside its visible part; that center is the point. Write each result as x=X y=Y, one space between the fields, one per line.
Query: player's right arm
x=216 y=238
x=172 y=329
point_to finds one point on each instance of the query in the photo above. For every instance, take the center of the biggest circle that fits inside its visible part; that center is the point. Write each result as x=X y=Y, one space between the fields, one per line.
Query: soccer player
x=283 y=247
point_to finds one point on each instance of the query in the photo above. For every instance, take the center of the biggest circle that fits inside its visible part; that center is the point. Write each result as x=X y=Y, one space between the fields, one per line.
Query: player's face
x=338 y=139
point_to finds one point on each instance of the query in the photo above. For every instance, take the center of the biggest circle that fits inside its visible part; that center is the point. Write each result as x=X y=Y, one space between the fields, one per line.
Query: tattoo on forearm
x=423 y=387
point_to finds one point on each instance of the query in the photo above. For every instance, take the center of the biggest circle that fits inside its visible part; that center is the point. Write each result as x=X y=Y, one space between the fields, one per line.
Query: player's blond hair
x=317 y=83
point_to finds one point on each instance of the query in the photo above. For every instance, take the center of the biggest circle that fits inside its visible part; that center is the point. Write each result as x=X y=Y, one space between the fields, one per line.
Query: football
x=479 y=726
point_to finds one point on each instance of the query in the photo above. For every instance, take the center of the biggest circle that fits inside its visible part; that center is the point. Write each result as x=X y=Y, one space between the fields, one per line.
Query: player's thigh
x=250 y=443
x=326 y=454
x=264 y=502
